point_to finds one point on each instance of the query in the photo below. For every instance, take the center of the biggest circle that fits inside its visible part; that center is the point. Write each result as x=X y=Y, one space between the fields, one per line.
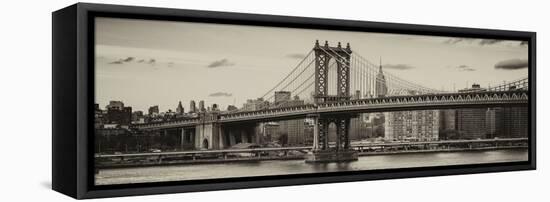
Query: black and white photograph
x=180 y=101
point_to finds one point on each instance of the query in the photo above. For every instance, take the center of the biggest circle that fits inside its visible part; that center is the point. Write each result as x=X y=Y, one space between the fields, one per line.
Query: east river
x=283 y=167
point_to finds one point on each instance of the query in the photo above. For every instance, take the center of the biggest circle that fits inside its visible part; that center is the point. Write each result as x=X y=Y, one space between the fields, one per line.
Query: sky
x=146 y=62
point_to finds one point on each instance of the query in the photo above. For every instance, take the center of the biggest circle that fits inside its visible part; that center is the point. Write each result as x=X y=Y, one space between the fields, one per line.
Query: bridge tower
x=323 y=55
x=321 y=151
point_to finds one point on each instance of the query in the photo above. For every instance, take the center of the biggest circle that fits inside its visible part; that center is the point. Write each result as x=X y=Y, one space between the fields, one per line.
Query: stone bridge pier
x=321 y=151
x=211 y=134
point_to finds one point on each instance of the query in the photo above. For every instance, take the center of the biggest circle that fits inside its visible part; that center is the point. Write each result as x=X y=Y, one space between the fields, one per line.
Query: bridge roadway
x=383 y=104
x=356 y=145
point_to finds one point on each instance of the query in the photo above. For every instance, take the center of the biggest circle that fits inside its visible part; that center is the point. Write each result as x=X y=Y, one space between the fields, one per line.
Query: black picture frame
x=73 y=98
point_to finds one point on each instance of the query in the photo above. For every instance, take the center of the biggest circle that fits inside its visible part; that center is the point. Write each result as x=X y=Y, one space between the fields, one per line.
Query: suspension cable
x=291 y=72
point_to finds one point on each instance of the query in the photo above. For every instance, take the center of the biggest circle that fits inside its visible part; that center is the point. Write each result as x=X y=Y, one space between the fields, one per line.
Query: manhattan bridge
x=340 y=84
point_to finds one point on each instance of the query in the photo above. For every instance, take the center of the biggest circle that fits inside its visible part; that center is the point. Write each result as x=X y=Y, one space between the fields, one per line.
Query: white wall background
x=25 y=104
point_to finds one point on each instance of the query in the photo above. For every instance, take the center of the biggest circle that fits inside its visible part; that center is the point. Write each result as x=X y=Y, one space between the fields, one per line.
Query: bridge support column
x=207 y=136
x=232 y=139
x=244 y=136
x=323 y=133
x=315 y=133
x=182 y=138
x=342 y=133
x=257 y=133
x=221 y=137
x=321 y=151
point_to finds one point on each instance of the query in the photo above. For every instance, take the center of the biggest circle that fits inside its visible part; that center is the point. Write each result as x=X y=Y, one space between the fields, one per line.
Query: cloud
x=128 y=59
x=121 y=61
x=118 y=62
x=220 y=94
x=150 y=61
x=398 y=66
x=481 y=42
x=489 y=41
x=220 y=63
x=524 y=43
x=296 y=55
x=512 y=64
x=465 y=68
x=457 y=40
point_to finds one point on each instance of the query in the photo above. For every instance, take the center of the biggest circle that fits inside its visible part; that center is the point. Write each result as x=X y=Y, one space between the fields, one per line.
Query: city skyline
x=147 y=63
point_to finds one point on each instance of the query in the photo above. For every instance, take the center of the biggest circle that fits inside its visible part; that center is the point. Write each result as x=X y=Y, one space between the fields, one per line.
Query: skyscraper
x=257 y=104
x=215 y=107
x=115 y=105
x=281 y=96
x=381 y=91
x=506 y=122
x=270 y=132
x=418 y=125
x=471 y=123
x=447 y=124
x=294 y=129
x=179 y=109
x=201 y=106
x=358 y=127
x=381 y=87
x=192 y=106
x=118 y=114
x=154 y=110
x=513 y=122
x=491 y=122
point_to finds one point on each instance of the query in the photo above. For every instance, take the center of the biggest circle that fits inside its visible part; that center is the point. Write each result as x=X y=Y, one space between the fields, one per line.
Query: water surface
x=283 y=167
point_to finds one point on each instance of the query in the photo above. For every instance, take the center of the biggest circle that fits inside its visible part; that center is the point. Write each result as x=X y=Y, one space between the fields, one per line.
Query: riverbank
x=168 y=162
x=164 y=173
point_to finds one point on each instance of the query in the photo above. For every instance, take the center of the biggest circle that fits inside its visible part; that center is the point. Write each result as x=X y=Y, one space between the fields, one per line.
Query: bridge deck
x=390 y=103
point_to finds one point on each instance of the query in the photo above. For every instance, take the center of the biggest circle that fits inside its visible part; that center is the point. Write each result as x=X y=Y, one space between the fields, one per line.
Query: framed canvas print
x=154 y=100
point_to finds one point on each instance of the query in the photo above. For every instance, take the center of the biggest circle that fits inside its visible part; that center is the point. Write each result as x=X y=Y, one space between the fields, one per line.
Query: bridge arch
x=205 y=144
x=331 y=132
x=332 y=77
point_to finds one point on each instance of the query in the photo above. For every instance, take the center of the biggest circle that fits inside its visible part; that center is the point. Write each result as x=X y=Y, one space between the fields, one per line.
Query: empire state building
x=381 y=88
